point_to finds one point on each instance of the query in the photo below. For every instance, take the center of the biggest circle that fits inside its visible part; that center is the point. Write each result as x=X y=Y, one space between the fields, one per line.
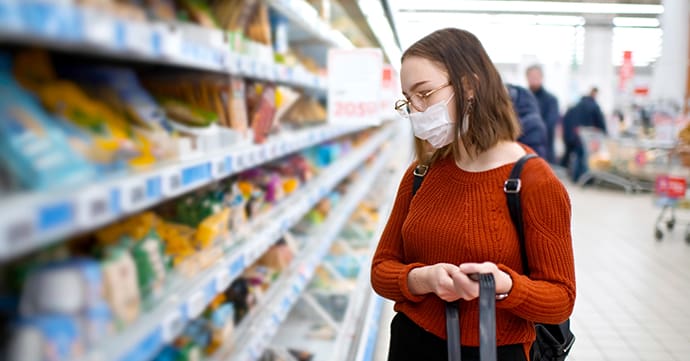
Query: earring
x=466 y=116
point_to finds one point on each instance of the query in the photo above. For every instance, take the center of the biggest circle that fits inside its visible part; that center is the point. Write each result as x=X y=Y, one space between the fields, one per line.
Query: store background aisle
x=632 y=292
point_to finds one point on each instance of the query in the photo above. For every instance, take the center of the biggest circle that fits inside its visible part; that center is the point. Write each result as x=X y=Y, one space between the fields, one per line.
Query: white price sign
x=354 y=85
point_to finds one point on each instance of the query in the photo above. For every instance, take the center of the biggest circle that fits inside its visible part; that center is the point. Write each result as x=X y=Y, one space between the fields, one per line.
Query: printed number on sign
x=355 y=109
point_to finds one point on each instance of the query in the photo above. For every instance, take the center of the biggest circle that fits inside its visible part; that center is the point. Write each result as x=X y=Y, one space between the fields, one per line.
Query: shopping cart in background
x=641 y=161
x=598 y=149
x=670 y=193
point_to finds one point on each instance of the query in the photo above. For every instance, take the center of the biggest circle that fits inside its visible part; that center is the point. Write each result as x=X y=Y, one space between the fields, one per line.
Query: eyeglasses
x=417 y=100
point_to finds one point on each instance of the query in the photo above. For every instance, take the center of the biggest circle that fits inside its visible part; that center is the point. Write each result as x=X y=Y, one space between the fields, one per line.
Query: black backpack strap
x=487 y=317
x=419 y=173
x=453 y=331
x=512 y=187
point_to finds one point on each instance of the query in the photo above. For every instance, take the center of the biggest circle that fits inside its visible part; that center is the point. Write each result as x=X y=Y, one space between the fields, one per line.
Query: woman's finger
x=470 y=268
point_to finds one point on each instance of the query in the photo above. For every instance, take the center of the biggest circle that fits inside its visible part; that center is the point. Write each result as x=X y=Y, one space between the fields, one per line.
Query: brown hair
x=491 y=116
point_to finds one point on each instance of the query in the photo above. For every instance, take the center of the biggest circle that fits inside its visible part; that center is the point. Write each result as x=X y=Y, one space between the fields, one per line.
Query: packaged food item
x=67 y=294
x=238 y=294
x=123 y=9
x=239 y=119
x=220 y=319
x=234 y=15
x=112 y=133
x=120 y=88
x=36 y=151
x=187 y=114
x=259 y=27
x=278 y=257
x=121 y=286
x=262 y=105
x=161 y=9
x=46 y=338
x=306 y=111
x=199 y=12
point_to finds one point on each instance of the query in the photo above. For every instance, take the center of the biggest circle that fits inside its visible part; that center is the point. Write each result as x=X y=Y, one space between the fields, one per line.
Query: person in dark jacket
x=527 y=110
x=586 y=113
x=548 y=108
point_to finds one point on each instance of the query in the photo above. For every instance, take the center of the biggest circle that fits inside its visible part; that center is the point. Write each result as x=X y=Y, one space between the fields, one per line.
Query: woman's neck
x=500 y=154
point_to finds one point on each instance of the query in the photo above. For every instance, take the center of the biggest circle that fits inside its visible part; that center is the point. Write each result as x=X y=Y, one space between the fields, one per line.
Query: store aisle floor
x=633 y=292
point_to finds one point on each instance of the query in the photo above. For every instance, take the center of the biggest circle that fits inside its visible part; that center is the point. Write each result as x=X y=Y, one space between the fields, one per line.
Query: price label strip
x=172 y=182
x=94 y=207
x=172 y=325
x=133 y=195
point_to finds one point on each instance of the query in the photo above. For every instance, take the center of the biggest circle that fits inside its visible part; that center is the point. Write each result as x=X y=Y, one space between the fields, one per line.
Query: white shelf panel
x=255 y=333
x=62 y=25
x=304 y=16
x=187 y=297
x=33 y=220
x=370 y=329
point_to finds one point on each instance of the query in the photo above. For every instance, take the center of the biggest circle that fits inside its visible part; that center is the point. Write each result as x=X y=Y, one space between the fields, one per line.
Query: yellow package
x=212 y=228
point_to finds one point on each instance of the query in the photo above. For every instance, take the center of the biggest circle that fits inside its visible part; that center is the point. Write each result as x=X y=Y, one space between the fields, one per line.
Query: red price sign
x=670 y=187
x=355 y=109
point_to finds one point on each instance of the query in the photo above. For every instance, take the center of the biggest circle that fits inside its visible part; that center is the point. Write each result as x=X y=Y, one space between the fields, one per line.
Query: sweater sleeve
x=547 y=295
x=388 y=270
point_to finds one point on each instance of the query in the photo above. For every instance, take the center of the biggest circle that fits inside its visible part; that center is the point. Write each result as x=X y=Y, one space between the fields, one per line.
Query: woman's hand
x=438 y=279
x=471 y=291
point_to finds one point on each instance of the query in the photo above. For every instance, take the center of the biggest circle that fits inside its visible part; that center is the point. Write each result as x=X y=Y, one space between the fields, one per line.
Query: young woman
x=458 y=222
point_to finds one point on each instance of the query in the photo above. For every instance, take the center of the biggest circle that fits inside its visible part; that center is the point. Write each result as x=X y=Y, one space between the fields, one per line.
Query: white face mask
x=434 y=125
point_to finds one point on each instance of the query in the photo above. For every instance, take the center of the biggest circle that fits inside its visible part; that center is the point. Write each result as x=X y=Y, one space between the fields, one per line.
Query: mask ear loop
x=466 y=116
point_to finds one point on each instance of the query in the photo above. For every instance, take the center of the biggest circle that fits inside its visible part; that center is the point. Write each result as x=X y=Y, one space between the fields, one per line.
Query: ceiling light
x=503 y=6
x=636 y=22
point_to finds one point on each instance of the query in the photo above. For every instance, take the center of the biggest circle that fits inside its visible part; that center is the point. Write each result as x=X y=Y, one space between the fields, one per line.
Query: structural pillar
x=670 y=76
x=597 y=69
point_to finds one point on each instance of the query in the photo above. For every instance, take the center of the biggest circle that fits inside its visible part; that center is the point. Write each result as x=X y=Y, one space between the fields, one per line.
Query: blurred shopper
x=457 y=223
x=548 y=108
x=527 y=110
x=586 y=113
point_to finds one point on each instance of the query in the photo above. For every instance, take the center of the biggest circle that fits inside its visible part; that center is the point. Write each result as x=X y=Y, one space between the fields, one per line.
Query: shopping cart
x=597 y=150
x=670 y=193
x=641 y=161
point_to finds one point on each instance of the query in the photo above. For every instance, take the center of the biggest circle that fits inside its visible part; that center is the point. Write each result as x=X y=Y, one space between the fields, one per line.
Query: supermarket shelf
x=33 y=220
x=258 y=330
x=367 y=341
x=295 y=329
x=187 y=298
x=352 y=324
x=61 y=25
x=306 y=18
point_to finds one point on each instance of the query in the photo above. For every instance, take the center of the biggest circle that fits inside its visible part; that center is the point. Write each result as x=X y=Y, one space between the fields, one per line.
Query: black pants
x=579 y=163
x=410 y=342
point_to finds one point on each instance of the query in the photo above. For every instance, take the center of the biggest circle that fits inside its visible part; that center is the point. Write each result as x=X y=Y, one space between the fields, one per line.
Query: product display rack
x=354 y=329
x=305 y=18
x=61 y=25
x=34 y=220
x=254 y=336
x=188 y=297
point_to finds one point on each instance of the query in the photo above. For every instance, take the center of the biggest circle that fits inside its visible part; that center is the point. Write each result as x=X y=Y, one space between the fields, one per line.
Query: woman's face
x=419 y=76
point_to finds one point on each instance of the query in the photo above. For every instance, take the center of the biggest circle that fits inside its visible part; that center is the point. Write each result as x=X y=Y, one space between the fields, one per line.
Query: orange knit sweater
x=457 y=217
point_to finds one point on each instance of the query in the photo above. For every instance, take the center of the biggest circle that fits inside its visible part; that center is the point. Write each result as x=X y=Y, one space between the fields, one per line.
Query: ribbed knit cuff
x=402 y=282
x=518 y=294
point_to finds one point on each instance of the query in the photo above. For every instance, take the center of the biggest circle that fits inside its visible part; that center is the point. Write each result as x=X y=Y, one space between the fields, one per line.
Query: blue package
x=35 y=151
x=54 y=337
